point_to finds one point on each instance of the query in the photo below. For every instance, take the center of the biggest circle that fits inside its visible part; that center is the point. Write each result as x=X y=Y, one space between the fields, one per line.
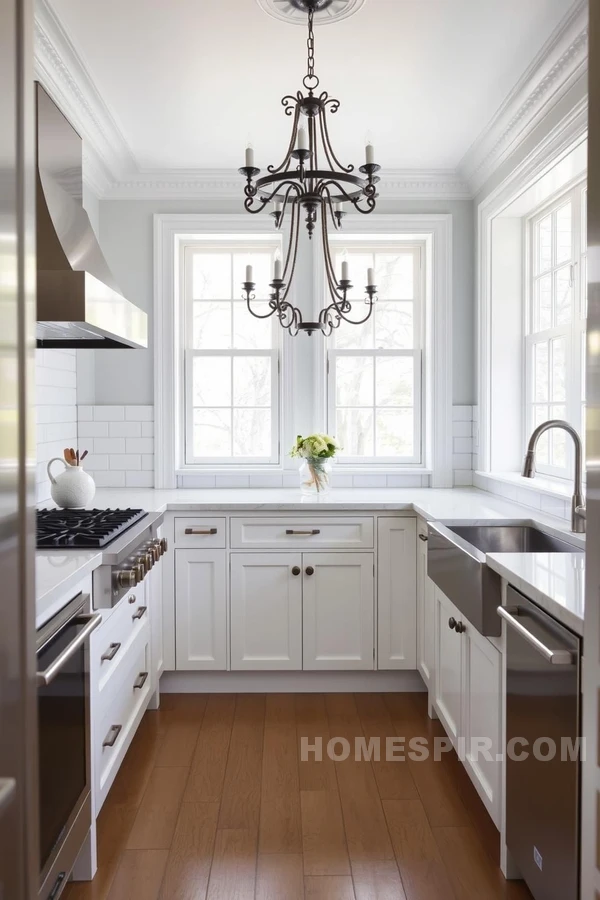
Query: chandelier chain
x=310 y=43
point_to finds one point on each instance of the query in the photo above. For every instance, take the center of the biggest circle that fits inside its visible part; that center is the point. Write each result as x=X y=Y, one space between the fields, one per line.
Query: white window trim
x=435 y=230
x=571 y=333
x=564 y=139
x=171 y=232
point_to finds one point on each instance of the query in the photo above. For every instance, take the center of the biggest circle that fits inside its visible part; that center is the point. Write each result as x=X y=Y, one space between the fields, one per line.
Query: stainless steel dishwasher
x=542 y=702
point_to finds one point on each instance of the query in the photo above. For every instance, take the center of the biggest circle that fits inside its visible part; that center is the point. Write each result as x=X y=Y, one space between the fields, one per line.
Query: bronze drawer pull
x=200 y=531
x=140 y=612
x=312 y=531
x=112 y=651
x=140 y=681
x=111 y=738
x=423 y=537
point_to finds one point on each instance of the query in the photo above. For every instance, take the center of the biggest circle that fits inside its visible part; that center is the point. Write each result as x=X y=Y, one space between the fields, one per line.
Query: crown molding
x=57 y=65
x=215 y=183
x=561 y=62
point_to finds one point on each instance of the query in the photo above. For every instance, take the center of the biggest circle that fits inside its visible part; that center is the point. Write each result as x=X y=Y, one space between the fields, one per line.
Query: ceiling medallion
x=310 y=181
x=326 y=11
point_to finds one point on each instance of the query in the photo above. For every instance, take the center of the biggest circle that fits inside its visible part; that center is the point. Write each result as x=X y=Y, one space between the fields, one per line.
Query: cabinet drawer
x=351 y=533
x=118 y=718
x=202 y=533
x=111 y=642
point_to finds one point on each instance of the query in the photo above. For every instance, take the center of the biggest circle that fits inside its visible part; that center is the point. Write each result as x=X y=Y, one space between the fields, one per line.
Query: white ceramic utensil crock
x=73 y=488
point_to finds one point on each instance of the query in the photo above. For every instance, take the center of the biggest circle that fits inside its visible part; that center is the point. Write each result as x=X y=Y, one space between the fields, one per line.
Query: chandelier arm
x=284 y=166
x=250 y=298
x=326 y=194
x=280 y=218
x=327 y=142
x=334 y=288
x=265 y=200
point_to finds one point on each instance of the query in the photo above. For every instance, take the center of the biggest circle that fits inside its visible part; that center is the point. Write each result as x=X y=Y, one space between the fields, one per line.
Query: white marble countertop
x=555 y=581
x=56 y=573
x=431 y=503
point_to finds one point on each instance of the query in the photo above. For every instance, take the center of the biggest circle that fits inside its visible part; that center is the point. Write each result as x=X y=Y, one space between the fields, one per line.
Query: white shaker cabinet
x=468 y=699
x=266 y=611
x=338 y=610
x=397 y=593
x=482 y=717
x=448 y=666
x=425 y=611
x=201 y=609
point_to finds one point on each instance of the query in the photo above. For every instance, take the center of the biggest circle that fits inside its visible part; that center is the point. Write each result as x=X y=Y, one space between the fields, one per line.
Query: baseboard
x=290 y=682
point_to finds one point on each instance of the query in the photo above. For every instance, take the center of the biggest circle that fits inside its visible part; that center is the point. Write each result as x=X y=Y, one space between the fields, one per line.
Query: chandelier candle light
x=310 y=179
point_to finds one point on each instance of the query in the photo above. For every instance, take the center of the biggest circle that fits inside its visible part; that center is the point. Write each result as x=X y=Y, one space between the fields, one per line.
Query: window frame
x=573 y=333
x=297 y=362
x=372 y=243
x=189 y=461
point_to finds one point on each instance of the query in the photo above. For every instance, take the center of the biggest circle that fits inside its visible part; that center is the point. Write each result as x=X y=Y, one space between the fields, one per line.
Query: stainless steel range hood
x=78 y=302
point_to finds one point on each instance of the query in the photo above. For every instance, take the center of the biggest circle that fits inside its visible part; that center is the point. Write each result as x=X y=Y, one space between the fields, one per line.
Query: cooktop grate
x=83 y=528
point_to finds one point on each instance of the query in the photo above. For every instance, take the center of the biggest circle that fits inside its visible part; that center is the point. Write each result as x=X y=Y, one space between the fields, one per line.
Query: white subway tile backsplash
x=108 y=445
x=109 y=479
x=109 y=413
x=139 y=479
x=462 y=413
x=462 y=444
x=196 y=481
x=139 y=413
x=125 y=429
x=139 y=445
x=462 y=461
x=92 y=429
x=234 y=481
x=121 y=444
x=268 y=480
x=56 y=411
x=463 y=479
x=462 y=429
x=125 y=462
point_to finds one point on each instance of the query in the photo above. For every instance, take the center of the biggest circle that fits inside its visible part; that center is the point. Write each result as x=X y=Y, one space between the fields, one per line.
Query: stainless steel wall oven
x=64 y=741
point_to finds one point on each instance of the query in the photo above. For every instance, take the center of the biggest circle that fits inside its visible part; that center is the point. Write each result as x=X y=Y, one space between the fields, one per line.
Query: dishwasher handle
x=556 y=657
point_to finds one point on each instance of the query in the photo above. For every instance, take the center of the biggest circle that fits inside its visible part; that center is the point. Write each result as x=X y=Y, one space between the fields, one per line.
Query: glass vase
x=315 y=475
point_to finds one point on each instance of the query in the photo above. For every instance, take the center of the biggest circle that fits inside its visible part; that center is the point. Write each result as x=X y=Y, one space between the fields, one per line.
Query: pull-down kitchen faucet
x=578 y=511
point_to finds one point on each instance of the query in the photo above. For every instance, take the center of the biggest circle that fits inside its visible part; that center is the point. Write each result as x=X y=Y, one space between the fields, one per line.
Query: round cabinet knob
x=452 y=622
x=461 y=627
x=296 y=570
x=310 y=570
x=127 y=578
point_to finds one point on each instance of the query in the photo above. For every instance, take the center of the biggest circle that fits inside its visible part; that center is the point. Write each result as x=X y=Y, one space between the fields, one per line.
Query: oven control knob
x=163 y=545
x=127 y=578
x=147 y=558
x=155 y=550
x=140 y=570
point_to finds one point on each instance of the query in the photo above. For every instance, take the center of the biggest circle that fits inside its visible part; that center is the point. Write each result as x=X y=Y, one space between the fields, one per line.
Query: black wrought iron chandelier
x=311 y=180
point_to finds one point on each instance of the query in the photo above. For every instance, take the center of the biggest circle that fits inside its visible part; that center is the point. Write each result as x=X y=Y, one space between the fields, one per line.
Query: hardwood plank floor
x=214 y=802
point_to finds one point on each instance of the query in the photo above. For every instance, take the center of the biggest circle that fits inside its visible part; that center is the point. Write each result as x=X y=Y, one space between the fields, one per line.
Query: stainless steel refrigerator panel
x=18 y=762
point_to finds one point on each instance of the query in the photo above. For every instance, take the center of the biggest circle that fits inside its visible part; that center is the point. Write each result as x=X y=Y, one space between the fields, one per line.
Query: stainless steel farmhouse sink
x=456 y=562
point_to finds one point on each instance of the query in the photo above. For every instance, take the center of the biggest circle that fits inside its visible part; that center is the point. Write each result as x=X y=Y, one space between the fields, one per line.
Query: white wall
x=126 y=236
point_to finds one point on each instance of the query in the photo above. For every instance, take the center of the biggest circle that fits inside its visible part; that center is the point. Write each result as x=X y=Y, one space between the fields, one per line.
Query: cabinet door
x=266 y=611
x=425 y=611
x=338 y=610
x=155 y=603
x=448 y=667
x=200 y=609
x=482 y=712
x=397 y=593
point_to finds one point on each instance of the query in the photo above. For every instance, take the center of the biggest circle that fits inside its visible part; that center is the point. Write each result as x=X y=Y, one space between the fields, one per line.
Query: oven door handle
x=49 y=674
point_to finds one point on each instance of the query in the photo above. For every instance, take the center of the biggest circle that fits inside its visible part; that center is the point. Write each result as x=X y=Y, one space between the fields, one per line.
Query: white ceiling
x=188 y=83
